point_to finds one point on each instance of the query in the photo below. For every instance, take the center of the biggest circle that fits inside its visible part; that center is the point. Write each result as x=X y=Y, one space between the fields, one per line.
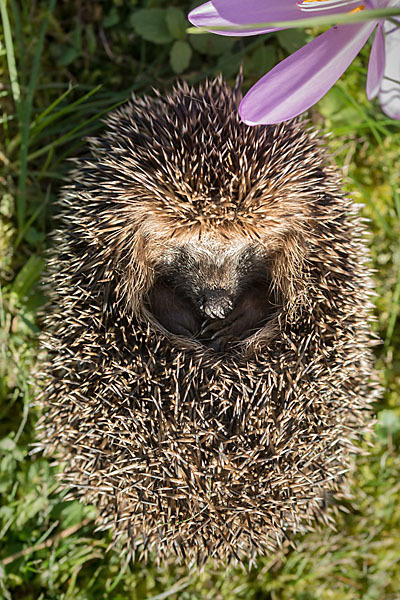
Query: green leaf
x=260 y=61
x=7 y=444
x=91 y=38
x=72 y=513
x=33 y=236
x=151 y=25
x=67 y=57
x=77 y=36
x=27 y=276
x=177 y=23
x=180 y=56
x=389 y=421
x=211 y=44
x=292 y=39
x=112 y=18
x=228 y=64
x=29 y=509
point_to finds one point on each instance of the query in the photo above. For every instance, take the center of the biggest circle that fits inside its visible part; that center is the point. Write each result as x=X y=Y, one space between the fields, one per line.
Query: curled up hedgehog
x=208 y=341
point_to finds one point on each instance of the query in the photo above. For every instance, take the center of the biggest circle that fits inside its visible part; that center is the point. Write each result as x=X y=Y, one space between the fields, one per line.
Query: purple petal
x=257 y=11
x=304 y=77
x=231 y=13
x=208 y=17
x=389 y=94
x=376 y=65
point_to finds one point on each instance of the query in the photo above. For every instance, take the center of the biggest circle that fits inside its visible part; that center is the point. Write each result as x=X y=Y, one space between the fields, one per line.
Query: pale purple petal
x=389 y=94
x=208 y=17
x=262 y=11
x=231 y=13
x=257 y=11
x=304 y=77
x=380 y=3
x=376 y=65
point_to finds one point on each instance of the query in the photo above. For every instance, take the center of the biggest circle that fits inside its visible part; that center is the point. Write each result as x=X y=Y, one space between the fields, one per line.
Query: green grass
x=63 y=67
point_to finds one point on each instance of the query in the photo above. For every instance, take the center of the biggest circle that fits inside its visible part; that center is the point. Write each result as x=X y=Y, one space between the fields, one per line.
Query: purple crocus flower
x=296 y=83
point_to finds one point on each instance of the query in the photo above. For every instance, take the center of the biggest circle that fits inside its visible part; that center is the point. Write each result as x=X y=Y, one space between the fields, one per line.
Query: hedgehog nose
x=216 y=303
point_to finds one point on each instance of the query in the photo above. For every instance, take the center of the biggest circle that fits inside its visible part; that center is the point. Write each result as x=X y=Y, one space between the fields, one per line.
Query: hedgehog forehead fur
x=194 y=165
x=208 y=340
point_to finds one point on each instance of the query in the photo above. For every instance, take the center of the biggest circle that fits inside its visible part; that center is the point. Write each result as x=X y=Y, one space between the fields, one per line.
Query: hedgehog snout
x=216 y=303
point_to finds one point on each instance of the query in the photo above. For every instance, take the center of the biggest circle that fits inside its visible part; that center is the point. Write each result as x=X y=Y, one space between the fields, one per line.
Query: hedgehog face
x=217 y=291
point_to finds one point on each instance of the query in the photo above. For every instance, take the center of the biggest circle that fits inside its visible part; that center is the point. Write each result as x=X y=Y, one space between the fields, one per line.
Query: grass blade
x=12 y=67
x=379 y=218
x=19 y=38
x=71 y=134
x=397 y=202
x=25 y=121
x=394 y=311
x=40 y=124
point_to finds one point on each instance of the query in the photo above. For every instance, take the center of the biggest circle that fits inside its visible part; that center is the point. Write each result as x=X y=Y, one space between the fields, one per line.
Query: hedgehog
x=209 y=370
